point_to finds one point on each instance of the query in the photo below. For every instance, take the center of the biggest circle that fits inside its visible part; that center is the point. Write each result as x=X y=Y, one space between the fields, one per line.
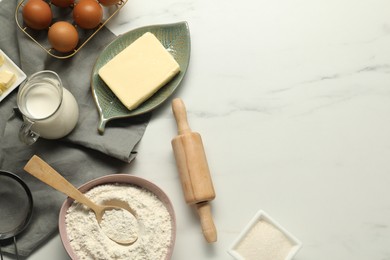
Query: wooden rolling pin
x=193 y=170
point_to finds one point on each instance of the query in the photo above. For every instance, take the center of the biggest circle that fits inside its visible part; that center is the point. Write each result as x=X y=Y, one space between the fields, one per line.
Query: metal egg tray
x=64 y=14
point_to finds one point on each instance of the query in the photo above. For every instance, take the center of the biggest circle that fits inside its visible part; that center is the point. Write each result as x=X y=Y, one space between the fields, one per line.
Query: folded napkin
x=82 y=155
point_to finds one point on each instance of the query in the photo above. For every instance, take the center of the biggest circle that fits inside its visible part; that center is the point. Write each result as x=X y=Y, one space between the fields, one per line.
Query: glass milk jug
x=49 y=110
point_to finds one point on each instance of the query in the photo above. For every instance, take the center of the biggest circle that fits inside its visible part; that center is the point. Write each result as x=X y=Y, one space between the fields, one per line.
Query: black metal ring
x=23 y=225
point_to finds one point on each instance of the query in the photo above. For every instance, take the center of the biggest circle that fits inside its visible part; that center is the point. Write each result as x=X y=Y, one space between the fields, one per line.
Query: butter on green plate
x=174 y=37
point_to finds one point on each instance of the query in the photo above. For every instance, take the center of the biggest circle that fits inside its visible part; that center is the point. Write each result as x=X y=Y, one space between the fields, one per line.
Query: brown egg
x=109 y=2
x=63 y=36
x=88 y=14
x=62 y=3
x=37 y=14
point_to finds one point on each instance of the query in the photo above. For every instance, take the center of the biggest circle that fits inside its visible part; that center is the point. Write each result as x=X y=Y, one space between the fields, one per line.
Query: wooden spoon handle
x=180 y=113
x=45 y=173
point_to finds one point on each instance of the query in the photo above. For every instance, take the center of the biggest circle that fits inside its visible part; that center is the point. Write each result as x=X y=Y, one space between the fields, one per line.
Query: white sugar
x=264 y=241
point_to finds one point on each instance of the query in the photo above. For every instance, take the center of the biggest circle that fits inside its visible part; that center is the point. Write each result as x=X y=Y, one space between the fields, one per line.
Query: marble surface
x=292 y=99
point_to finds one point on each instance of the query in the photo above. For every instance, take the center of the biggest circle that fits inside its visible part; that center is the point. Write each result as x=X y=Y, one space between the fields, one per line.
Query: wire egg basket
x=64 y=14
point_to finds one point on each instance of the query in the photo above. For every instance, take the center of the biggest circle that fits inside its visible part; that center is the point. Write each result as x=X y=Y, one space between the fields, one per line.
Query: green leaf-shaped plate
x=174 y=37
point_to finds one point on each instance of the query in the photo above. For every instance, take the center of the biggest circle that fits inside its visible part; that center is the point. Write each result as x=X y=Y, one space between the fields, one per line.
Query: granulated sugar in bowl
x=83 y=238
x=264 y=239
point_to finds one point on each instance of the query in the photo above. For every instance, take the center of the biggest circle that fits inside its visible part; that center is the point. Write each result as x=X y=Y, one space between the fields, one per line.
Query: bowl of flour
x=83 y=238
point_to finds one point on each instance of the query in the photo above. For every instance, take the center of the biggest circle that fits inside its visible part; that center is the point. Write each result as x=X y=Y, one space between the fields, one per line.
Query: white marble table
x=292 y=99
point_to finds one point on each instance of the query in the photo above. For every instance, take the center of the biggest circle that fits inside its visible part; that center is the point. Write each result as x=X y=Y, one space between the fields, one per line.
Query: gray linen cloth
x=82 y=155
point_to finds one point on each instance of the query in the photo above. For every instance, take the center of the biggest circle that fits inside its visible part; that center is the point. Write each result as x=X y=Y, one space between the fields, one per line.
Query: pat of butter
x=7 y=78
x=138 y=71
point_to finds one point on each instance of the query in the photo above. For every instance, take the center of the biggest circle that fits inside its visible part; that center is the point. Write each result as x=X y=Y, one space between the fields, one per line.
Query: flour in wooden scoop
x=120 y=225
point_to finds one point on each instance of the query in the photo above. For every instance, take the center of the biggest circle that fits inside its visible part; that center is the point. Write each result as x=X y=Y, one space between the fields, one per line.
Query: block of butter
x=7 y=78
x=139 y=71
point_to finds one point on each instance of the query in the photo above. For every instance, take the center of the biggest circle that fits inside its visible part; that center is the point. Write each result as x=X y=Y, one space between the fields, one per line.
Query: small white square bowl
x=261 y=215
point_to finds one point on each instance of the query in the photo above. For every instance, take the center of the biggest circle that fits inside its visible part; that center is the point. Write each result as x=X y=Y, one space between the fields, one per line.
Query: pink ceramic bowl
x=117 y=178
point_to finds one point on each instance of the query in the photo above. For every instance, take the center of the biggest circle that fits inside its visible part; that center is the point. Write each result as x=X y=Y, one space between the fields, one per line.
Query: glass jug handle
x=26 y=135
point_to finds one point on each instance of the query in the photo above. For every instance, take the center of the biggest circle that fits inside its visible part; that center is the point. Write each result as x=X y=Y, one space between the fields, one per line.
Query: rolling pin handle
x=180 y=113
x=206 y=220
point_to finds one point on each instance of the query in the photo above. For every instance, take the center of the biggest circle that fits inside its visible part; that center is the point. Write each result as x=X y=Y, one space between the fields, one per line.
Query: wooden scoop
x=193 y=170
x=45 y=173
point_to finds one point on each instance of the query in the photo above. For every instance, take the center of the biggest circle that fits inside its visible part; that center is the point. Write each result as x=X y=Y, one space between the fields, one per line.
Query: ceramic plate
x=12 y=67
x=174 y=37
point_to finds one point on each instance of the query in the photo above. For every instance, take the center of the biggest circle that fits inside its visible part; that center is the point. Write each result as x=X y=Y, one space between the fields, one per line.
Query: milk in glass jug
x=49 y=110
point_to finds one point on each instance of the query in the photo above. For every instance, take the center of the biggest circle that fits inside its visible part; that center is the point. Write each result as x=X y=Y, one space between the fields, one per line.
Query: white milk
x=42 y=102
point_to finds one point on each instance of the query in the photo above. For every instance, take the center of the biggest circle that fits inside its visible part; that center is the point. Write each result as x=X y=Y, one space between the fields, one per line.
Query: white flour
x=264 y=241
x=154 y=222
x=120 y=225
